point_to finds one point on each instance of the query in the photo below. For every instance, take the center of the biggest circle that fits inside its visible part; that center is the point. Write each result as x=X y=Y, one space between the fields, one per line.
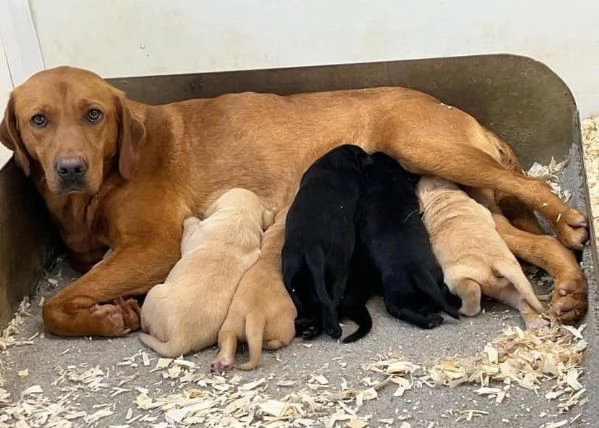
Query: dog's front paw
x=131 y=312
x=110 y=320
x=572 y=229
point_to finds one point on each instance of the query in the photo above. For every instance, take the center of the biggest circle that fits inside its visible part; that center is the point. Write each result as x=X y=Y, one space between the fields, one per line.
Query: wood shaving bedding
x=519 y=358
x=550 y=174
x=8 y=338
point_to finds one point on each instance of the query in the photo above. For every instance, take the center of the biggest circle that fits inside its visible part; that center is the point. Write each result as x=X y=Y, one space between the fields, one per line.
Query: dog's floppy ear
x=132 y=134
x=9 y=135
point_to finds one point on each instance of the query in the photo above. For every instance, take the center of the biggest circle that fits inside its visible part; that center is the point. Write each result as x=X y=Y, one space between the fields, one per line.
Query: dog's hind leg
x=517 y=212
x=227 y=346
x=452 y=152
x=569 y=297
x=254 y=334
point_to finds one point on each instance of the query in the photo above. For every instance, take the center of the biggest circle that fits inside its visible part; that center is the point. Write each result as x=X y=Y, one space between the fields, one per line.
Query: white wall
x=181 y=36
x=143 y=37
x=5 y=88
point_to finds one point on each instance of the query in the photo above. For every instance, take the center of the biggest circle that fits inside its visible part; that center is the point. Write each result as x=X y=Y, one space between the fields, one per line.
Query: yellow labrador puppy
x=185 y=313
x=261 y=313
x=473 y=256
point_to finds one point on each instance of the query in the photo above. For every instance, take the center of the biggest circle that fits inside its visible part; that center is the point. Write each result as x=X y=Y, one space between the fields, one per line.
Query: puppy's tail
x=362 y=317
x=166 y=349
x=428 y=285
x=513 y=273
x=254 y=333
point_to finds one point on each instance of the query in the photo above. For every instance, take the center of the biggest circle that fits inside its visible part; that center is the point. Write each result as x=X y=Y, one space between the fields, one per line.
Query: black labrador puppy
x=320 y=238
x=393 y=240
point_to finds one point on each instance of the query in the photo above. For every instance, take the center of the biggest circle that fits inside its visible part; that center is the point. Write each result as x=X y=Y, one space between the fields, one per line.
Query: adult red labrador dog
x=123 y=175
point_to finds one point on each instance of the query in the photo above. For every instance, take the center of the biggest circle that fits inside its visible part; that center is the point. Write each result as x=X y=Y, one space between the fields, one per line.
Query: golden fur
x=184 y=314
x=262 y=312
x=473 y=256
x=149 y=167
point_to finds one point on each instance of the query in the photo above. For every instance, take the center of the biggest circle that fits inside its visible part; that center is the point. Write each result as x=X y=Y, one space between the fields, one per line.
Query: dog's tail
x=254 y=333
x=428 y=285
x=315 y=260
x=513 y=273
x=166 y=349
x=362 y=317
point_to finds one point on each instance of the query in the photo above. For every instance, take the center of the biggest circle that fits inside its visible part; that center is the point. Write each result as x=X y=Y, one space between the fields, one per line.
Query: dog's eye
x=39 y=120
x=94 y=115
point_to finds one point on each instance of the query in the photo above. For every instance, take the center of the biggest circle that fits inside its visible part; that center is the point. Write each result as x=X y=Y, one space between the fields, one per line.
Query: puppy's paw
x=469 y=309
x=434 y=320
x=569 y=300
x=572 y=229
x=306 y=328
x=221 y=365
x=110 y=320
x=334 y=332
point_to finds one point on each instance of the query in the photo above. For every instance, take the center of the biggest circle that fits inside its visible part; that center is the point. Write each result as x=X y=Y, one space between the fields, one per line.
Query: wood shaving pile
x=8 y=334
x=523 y=358
x=590 y=144
x=549 y=173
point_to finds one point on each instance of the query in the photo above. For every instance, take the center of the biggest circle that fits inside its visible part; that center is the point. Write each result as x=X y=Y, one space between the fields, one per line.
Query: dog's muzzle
x=71 y=174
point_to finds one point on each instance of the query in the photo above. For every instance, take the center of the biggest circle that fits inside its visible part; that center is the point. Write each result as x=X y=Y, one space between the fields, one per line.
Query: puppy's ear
x=132 y=134
x=10 y=137
x=268 y=218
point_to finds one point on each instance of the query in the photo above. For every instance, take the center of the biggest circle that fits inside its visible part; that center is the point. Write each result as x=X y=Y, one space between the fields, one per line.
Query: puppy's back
x=465 y=239
x=320 y=236
x=459 y=225
x=389 y=224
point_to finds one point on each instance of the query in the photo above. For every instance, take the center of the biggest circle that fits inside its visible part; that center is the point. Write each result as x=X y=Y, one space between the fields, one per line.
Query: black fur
x=320 y=238
x=393 y=239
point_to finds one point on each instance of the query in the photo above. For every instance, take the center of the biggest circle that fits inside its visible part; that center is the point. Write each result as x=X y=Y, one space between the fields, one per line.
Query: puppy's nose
x=71 y=167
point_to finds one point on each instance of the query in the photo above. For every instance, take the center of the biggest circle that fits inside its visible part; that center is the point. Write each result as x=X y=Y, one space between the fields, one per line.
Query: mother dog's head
x=75 y=125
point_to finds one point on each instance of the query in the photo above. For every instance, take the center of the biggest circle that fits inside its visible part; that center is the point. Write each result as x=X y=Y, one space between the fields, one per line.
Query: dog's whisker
x=409 y=215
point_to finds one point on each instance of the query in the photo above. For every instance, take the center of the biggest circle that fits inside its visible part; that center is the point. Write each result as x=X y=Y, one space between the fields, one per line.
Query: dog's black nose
x=70 y=168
